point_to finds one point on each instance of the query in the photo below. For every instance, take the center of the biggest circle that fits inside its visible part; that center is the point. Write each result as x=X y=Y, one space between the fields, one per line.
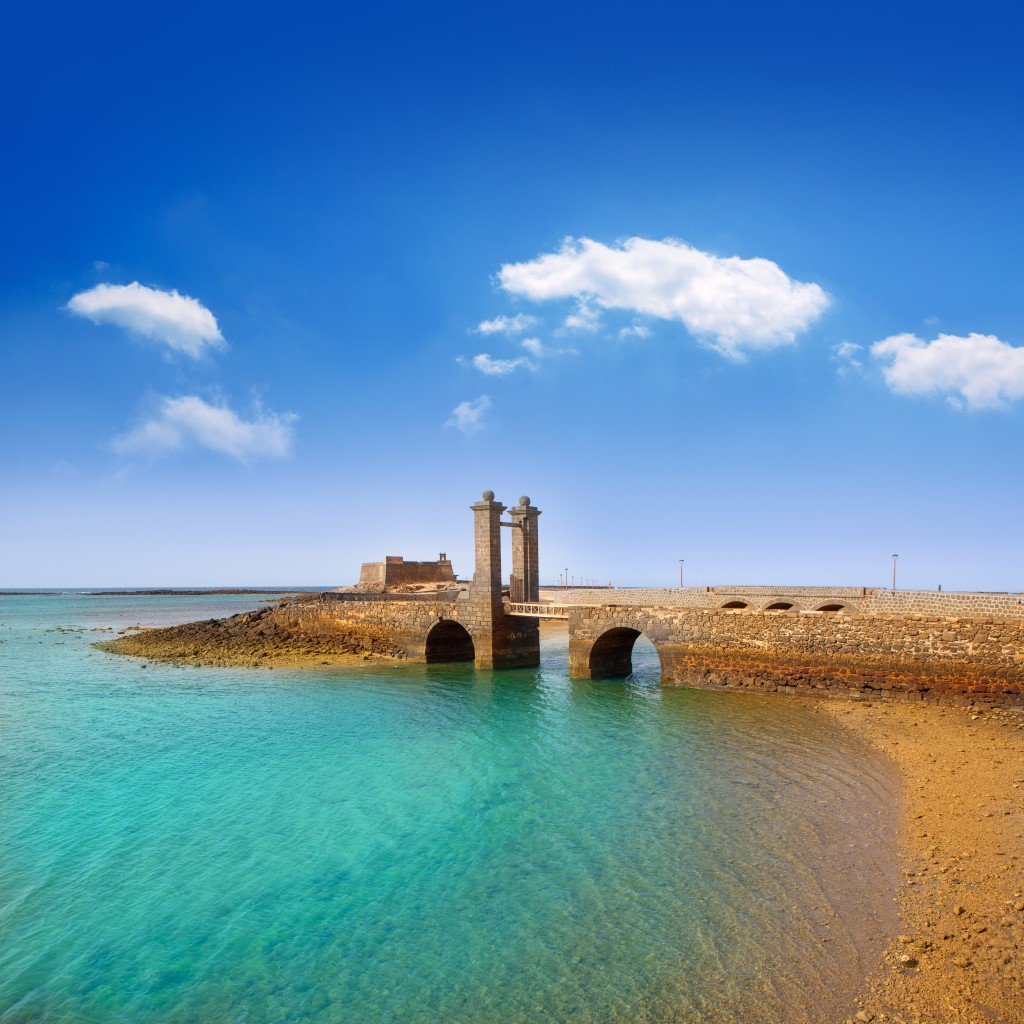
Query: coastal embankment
x=277 y=634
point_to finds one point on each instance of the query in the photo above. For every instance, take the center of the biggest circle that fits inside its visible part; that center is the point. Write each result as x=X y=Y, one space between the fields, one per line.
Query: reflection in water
x=421 y=843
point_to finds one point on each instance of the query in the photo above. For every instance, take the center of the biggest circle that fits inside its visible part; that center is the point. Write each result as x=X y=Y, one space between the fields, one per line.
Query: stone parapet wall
x=901 y=657
x=776 y=591
x=952 y=604
x=399 y=626
x=862 y=600
x=450 y=594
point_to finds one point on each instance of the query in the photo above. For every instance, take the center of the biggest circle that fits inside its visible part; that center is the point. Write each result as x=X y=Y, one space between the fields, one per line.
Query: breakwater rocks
x=259 y=639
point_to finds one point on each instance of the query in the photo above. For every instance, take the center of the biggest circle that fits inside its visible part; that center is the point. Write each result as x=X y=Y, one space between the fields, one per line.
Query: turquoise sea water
x=419 y=843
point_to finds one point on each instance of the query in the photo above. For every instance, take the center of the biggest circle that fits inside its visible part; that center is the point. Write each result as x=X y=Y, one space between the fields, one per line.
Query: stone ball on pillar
x=488 y=495
x=524 y=501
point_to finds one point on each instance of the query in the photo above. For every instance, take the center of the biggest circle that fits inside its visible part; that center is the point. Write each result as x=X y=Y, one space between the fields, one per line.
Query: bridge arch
x=735 y=604
x=449 y=640
x=611 y=654
x=780 y=606
x=831 y=607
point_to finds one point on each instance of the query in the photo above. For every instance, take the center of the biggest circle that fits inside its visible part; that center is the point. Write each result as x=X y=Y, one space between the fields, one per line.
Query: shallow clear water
x=421 y=843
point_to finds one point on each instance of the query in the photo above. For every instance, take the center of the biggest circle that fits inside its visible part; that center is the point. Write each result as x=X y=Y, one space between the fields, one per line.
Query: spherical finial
x=488 y=495
x=524 y=501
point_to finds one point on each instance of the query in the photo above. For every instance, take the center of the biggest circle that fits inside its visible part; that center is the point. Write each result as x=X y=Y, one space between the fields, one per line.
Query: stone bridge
x=850 y=641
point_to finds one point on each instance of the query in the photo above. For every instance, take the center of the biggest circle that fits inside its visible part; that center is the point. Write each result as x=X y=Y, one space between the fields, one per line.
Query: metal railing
x=537 y=611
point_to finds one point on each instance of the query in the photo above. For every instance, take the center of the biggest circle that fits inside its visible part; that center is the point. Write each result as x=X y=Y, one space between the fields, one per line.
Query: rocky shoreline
x=256 y=639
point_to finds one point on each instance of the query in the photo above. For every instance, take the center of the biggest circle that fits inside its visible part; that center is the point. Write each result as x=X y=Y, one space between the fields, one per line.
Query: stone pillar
x=499 y=641
x=525 y=558
x=487 y=546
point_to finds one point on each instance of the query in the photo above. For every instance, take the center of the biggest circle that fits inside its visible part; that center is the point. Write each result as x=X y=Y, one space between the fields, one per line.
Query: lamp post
x=681 y=560
x=894 y=557
x=566 y=587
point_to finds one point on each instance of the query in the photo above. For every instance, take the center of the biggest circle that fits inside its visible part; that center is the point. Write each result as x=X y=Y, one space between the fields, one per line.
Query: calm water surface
x=419 y=844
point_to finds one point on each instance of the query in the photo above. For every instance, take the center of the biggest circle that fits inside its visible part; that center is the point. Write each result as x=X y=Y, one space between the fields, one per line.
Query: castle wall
x=395 y=571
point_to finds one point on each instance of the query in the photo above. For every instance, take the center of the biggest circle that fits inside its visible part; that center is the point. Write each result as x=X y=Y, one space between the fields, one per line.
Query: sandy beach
x=960 y=954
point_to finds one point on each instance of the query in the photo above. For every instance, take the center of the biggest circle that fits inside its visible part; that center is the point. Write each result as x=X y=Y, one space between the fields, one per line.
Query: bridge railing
x=537 y=611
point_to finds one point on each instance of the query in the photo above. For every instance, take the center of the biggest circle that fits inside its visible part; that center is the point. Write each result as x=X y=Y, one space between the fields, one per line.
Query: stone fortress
x=395 y=571
x=845 y=641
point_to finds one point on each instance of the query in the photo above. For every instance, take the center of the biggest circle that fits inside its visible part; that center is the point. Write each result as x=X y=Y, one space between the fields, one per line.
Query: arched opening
x=830 y=608
x=779 y=606
x=611 y=656
x=448 y=641
x=735 y=604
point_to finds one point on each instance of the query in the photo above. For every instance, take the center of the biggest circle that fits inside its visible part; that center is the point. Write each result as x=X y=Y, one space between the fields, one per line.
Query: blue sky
x=765 y=260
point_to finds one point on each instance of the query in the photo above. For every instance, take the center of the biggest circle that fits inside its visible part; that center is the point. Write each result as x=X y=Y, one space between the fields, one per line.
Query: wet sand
x=960 y=954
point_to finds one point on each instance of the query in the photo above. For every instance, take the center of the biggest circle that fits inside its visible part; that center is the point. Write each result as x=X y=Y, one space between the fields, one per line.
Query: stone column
x=525 y=558
x=499 y=641
x=487 y=545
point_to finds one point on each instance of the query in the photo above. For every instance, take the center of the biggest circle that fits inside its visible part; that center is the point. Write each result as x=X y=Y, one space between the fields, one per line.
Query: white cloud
x=539 y=350
x=848 y=355
x=191 y=422
x=727 y=302
x=507 y=324
x=976 y=372
x=635 y=331
x=468 y=416
x=178 y=321
x=496 y=367
x=585 y=318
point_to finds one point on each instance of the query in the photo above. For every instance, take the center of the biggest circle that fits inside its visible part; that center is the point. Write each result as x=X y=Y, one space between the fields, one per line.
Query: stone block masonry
x=395 y=571
x=864 y=600
x=396 y=627
x=903 y=657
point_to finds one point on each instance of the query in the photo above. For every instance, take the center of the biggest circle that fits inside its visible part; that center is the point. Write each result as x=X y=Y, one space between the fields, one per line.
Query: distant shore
x=165 y=592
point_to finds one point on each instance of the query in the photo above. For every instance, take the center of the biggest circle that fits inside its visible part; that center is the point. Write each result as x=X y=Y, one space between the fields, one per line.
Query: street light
x=894 y=557
x=566 y=586
x=681 y=560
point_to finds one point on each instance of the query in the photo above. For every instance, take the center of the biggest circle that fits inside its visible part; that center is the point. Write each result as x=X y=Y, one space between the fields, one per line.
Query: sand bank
x=960 y=955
